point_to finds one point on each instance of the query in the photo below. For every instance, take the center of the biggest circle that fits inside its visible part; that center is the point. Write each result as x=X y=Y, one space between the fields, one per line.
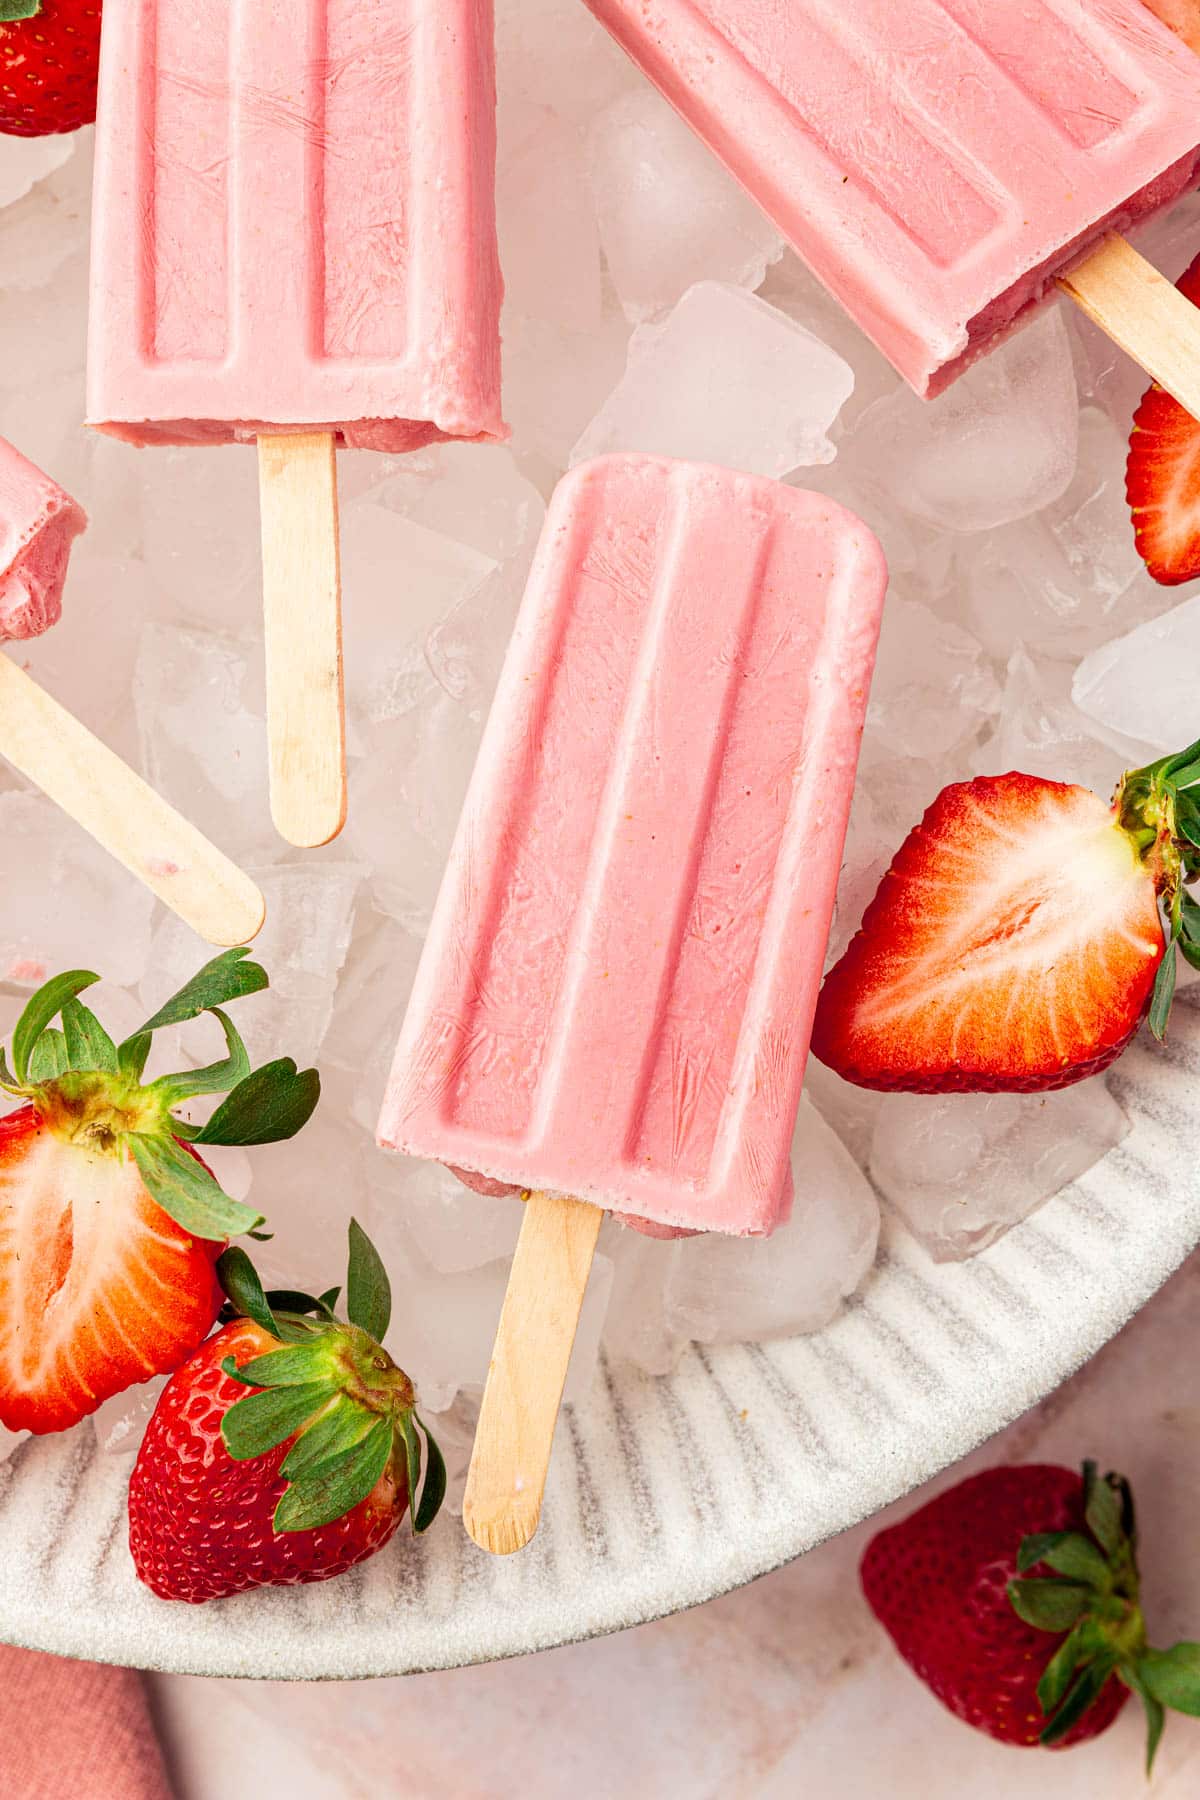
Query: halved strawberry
x=110 y=1222
x=287 y=1450
x=1162 y=476
x=1016 y=942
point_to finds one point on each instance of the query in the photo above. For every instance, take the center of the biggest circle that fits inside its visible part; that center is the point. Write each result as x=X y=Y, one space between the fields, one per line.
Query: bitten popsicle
x=39 y=522
x=295 y=245
x=941 y=164
x=613 y=1007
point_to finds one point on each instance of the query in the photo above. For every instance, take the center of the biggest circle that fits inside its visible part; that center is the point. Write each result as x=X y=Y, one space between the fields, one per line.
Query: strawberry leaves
x=1159 y=806
x=12 y=10
x=333 y=1390
x=1093 y=1595
x=85 y=1085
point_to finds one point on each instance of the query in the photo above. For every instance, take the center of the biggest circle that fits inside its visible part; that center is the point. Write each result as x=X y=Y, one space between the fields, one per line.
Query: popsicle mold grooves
x=294 y=223
x=615 y=998
x=935 y=168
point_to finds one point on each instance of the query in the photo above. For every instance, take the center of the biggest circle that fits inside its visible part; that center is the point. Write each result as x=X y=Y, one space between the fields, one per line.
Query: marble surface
x=786 y=1690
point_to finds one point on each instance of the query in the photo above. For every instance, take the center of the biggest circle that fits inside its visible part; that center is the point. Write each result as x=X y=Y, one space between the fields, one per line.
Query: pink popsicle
x=38 y=525
x=294 y=222
x=615 y=996
x=938 y=163
x=294 y=243
x=614 y=1002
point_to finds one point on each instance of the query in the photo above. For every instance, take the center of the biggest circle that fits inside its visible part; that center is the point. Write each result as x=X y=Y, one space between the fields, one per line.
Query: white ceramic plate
x=666 y=1492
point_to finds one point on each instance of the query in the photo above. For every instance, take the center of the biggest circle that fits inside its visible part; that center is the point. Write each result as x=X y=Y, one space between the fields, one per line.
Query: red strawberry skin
x=200 y=1523
x=937 y=1583
x=48 y=66
x=99 y=1288
x=1162 y=474
x=1012 y=946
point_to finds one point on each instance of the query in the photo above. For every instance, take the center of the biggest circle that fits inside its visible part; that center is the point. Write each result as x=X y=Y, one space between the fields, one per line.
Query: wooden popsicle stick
x=549 y=1277
x=133 y=823
x=1142 y=312
x=302 y=605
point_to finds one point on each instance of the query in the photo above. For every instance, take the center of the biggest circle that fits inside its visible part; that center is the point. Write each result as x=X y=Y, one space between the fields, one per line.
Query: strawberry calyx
x=89 y=1091
x=1159 y=809
x=331 y=1391
x=12 y=10
x=1093 y=1594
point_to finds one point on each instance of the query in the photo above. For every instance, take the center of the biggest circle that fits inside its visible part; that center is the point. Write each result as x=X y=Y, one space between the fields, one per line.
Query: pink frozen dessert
x=615 y=998
x=295 y=222
x=937 y=163
x=38 y=525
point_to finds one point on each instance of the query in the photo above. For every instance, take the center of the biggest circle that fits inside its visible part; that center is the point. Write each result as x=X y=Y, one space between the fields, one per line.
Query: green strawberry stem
x=89 y=1090
x=1096 y=1601
x=334 y=1389
x=1159 y=808
x=11 y=10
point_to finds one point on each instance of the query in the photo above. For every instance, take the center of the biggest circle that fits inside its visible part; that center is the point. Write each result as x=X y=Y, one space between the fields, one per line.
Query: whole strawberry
x=1014 y=1597
x=1023 y=932
x=302 y=1477
x=49 y=54
x=110 y=1222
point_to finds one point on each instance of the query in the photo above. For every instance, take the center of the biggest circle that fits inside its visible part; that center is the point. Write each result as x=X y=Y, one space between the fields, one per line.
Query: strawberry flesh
x=937 y=1582
x=1012 y=945
x=1162 y=476
x=200 y=1523
x=99 y=1288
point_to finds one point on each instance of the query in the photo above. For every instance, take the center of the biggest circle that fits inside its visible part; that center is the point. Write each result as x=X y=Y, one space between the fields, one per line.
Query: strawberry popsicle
x=939 y=164
x=614 y=1002
x=295 y=245
x=38 y=525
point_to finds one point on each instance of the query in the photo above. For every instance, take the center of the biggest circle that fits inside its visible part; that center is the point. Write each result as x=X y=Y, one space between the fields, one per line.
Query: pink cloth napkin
x=75 y=1731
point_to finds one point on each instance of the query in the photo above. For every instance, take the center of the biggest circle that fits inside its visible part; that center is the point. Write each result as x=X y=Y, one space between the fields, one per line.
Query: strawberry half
x=1015 y=1597
x=1162 y=476
x=110 y=1222
x=303 y=1476
x=1016 y=941
x=49 y=57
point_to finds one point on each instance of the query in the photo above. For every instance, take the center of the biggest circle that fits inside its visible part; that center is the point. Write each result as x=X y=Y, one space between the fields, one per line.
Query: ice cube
x=399 y=580
x=201 y=708
x=932 y=686
x=637 y=1329
x=962 y=1169
x=302 y=946
x=724 y=379
x=88 y=665
x=726 y=1290
x=670 y=215
x=555 y=380
x=851 y=1111
x=309 y=1188
x=1000 y=443
x=1041 y=732
x=27 y=161
x=372 y=995
x=120 y=1423
x=554 y=53
x=549 y=244
x=50 y=224
x=405 y=798
x=64 y=902
x=1061 y=581
x=473 y=493
x=453 y=1227
x=1144 y=684
x=201 y=525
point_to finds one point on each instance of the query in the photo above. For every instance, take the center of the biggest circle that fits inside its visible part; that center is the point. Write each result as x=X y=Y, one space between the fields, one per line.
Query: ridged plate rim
x=666 y=1492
